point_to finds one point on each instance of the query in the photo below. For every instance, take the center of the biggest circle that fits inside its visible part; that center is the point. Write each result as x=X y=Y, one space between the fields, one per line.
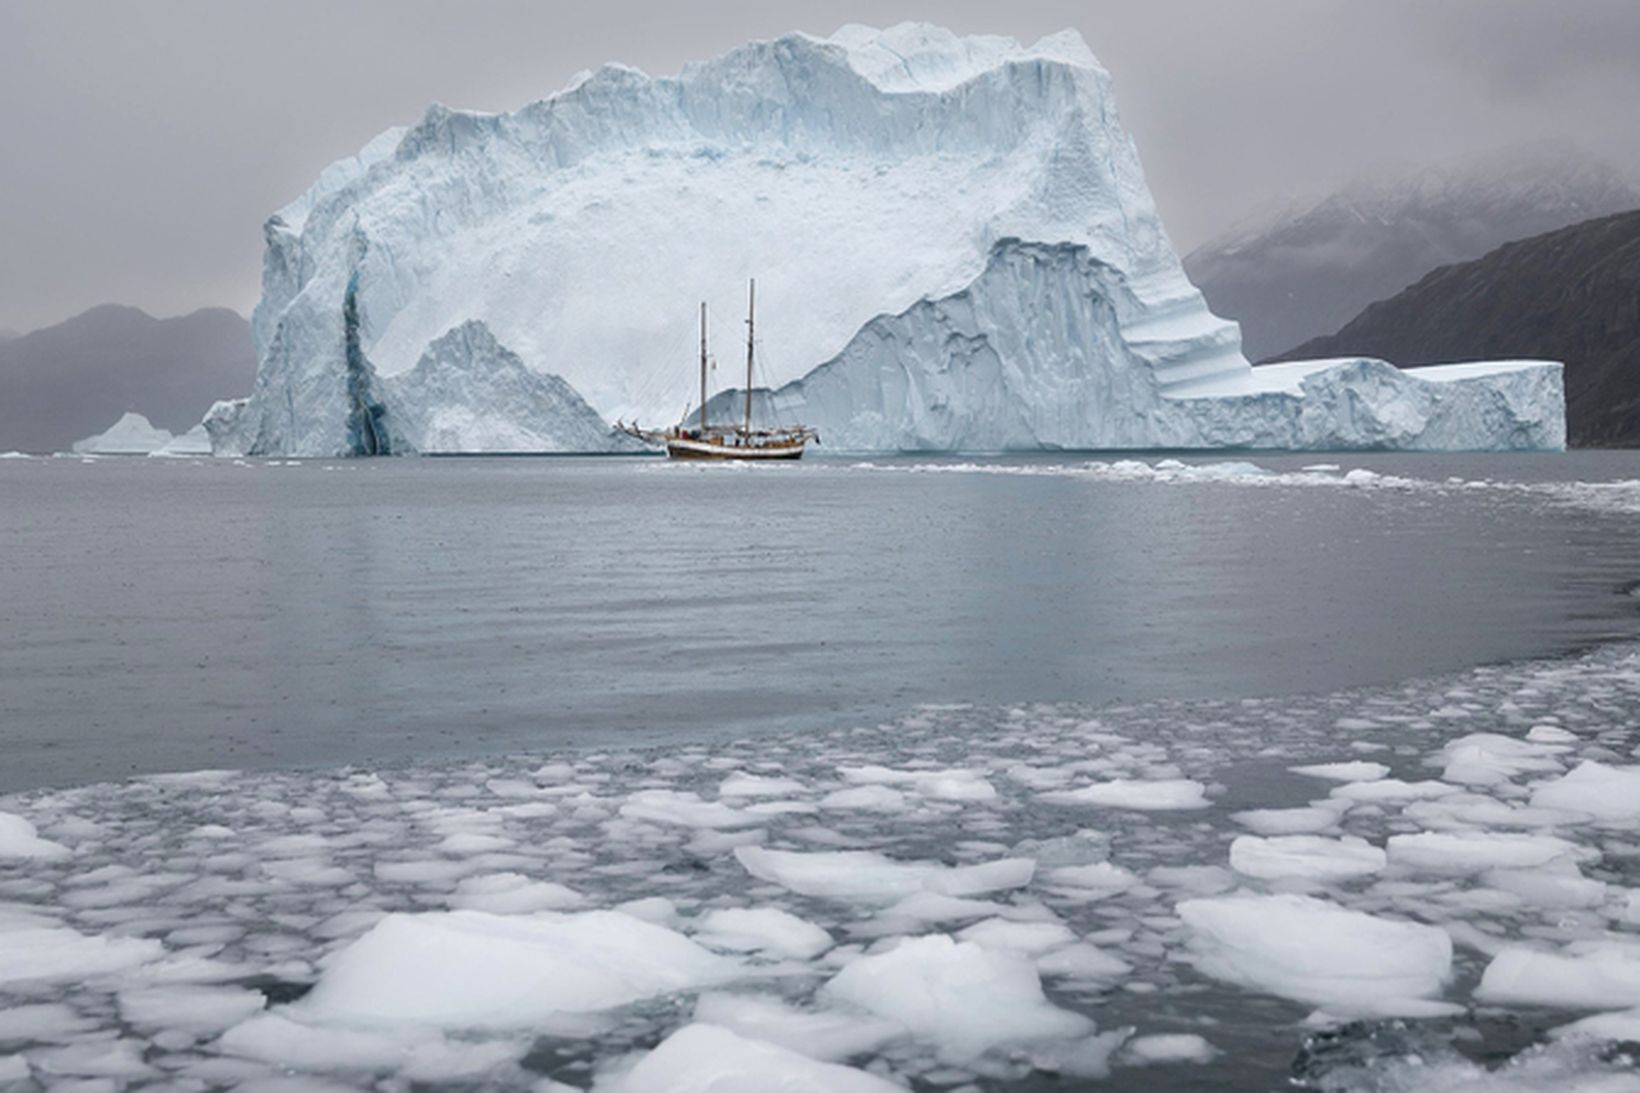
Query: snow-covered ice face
x=964 y=894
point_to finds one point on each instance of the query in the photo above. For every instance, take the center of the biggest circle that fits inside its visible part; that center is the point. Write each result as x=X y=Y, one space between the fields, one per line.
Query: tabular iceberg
x=954 y=245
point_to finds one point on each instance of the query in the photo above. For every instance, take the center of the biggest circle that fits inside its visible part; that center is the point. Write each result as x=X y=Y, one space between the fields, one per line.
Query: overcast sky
x=143 y=144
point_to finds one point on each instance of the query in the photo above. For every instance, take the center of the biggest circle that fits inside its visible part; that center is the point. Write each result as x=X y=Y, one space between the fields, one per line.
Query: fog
x=144 y=145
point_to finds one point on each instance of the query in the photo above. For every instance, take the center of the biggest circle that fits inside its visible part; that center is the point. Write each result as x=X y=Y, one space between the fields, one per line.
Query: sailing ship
x=708 y=441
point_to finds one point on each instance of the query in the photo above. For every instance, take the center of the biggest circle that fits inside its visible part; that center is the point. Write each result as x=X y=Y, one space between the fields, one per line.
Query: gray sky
x=143 y=144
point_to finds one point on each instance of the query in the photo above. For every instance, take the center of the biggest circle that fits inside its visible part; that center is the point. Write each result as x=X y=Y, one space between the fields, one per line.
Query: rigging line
x=776 y=419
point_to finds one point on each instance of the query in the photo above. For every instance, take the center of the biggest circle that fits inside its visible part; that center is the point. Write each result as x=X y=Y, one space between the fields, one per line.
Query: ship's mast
x=751 y=314
x=703 y=369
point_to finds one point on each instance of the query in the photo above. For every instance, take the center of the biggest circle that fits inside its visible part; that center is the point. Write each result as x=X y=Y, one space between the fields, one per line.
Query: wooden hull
x=684 y=448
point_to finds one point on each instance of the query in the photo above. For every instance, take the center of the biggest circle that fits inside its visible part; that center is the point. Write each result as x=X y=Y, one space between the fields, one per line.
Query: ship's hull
x=685 y=448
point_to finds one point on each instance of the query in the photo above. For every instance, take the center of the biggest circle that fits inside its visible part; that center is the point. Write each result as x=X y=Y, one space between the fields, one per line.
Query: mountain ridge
x=1571 y=295
x=73 y=379
x=1305 y=269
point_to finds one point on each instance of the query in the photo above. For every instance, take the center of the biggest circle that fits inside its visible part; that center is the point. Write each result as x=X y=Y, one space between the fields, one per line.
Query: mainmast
x=751 y=314
x=703 y=369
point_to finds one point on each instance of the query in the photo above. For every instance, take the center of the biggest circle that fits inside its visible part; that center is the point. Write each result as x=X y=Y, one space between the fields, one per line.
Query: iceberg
x=954 y=244
x=132 y=434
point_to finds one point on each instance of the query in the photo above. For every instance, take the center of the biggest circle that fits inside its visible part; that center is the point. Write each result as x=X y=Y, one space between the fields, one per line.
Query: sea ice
x=1588 y=975
x=58 y=953
x=868 y=877
x=190 y=1008
x=1159 y=796
x=470 y=969
x=1485 y=758
x=703 y=1058
x=664 y=806
x=1304 y=856
x=513 y=893
x=1288 y=821
x=1356 y=770
x=1605 y=792
x=1168 y=1047
x=961 y=997
x=820 y=1034
x=1314 y=951
x=19 y=839
x=1461 y=854
x=767 y=930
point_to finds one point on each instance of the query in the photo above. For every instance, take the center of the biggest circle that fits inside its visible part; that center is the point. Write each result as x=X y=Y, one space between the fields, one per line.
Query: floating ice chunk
x=60 y=953
x=656 y=909
x=1355 y=770
x=762 y=930
x=1082 y=961
x=513 y=894
x=95 y=1059
x=940 y=785
x=824 y=1035
x=870 y=798
x=1030 y=938
x=963 y=998
x=1559 y=885
x=741 y=784
x=868 y=877
x=1550 y=734
x=1288 y=821
x=468 y=969
x=1469 y=810
x=1098 y=880
x=19 y=839
x=1622 y=1025
x=1486 y=758
x=45 y=1021
x=1462 y=854
x=1162 y=795
x=435 y=872
x=191 y=1009
x=1001 y=875
x=1314 y=951
x=862 y=875
x=1595 y=789
x=1170 y=1047
x=1304 y=856
x=665 y=806
x=934 y=907
x=1393 y=789
x=1588 y=975
x=277 y=1039
x=703 y=1058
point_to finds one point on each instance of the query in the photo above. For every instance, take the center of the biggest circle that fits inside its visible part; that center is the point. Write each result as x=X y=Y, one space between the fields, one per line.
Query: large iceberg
x=953 y=241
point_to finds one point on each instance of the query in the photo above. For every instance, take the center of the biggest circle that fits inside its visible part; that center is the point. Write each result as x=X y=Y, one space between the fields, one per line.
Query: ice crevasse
x=953 y=241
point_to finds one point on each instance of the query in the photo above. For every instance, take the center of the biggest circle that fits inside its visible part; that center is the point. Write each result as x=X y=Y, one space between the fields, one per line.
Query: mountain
x=1571 y=295
x=1305 y=271
x=75 y=379
x=953 y=241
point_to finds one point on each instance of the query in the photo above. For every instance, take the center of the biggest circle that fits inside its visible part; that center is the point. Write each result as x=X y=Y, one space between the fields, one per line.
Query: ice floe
x=913 y=903
x=1315 y=951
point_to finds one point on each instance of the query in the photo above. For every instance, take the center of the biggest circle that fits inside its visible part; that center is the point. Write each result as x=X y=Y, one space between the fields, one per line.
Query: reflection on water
x=164 y=615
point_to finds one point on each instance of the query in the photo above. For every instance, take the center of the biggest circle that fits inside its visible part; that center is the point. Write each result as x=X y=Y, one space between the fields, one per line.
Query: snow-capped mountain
x=1307 y=267
x=953 y=241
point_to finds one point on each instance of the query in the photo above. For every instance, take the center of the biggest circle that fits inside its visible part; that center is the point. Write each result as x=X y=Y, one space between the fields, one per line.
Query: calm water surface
x=159 y=615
